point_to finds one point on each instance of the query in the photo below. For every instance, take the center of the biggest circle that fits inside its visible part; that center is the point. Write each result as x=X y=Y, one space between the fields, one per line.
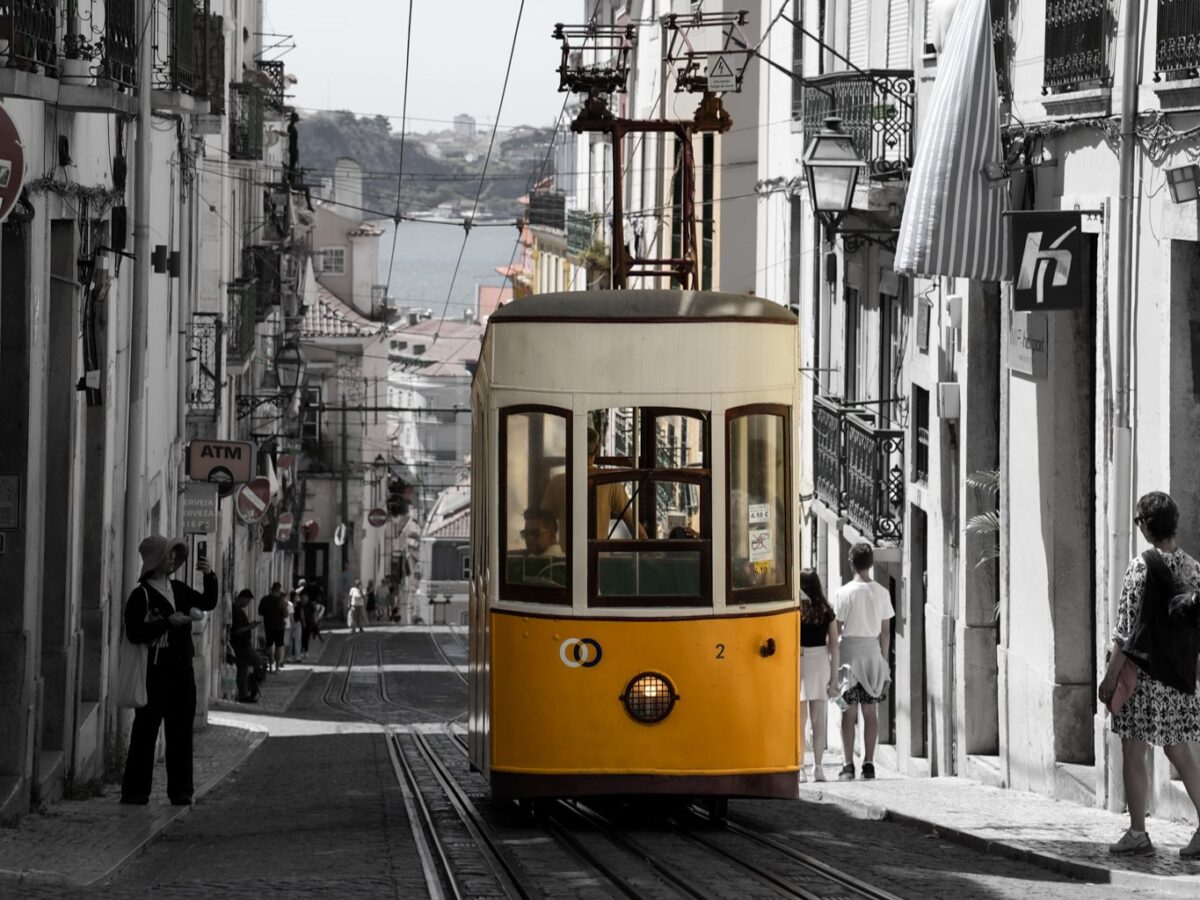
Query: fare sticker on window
x=760 y=514
x=761 y=549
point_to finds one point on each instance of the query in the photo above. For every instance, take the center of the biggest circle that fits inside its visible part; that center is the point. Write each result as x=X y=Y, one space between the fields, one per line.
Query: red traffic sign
x=253 y=499
x=283 y=527
x=377 y=517
x=12 y=164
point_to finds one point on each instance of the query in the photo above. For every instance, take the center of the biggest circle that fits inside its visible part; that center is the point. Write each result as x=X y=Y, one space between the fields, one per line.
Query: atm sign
x=225 y=462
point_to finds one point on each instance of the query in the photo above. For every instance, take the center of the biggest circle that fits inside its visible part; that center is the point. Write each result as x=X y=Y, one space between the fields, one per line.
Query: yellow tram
x=634 y=600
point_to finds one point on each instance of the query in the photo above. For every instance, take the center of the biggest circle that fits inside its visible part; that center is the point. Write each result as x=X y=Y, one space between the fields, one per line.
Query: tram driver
x=544 y=562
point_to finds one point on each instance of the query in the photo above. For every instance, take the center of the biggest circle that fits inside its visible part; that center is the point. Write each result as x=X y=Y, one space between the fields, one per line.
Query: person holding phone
x=160 y=612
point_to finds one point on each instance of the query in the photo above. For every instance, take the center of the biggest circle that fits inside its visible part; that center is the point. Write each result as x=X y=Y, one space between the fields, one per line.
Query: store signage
x=225 y=463
x=199 y=508
x=1028 y=343
x=1047 y=252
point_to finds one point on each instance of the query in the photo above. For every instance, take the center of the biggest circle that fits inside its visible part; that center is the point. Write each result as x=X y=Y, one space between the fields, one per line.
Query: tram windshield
x=759 y=533
x=535 y=456
x=649 y=531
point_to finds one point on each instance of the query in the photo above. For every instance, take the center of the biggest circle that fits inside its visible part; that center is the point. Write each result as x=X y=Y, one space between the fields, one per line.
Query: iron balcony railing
x=179 y=71
x=548 y=209
x=581 y=231
x=242 y=317
x=859 y=469
x=214 y=89
x=1177 y=44
x=30 y=27
x=876 y=109
x=273 y=83
x=1000 y=45
x=245 y=121
x=1077 y=38
x=204 y=364
x=261 y=265
x=119 y=56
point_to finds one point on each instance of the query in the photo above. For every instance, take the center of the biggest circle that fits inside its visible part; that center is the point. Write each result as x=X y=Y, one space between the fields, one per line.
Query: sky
x=459 y=52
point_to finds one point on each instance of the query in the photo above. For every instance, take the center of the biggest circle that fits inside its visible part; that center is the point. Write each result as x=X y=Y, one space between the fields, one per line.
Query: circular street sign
x=253 y=499
x=12 y=164
x=377 y=517
x=283 y=526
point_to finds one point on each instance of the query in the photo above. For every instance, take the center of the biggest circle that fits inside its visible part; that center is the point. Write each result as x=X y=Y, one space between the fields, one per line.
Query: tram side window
x=759 y=492
x=535 y=512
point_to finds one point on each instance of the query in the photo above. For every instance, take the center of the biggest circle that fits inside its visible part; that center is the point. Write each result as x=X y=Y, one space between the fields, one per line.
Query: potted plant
x=77 y=64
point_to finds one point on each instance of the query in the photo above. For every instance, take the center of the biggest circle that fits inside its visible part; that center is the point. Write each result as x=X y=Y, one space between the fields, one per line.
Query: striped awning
x=953 y=219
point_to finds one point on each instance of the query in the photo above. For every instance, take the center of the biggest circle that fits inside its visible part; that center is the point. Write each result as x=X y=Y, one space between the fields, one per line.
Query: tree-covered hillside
x=428 y=181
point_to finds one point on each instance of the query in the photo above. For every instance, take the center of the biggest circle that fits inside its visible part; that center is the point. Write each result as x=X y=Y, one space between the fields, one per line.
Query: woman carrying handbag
x=1152 y=668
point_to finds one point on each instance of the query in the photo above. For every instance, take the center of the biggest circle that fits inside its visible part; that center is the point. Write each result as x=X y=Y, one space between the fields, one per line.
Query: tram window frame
x=520 y=591
x=648 y=470
x=776 y=593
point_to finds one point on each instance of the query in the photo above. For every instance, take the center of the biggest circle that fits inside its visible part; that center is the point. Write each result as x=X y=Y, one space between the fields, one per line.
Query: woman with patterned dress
x=1156 y=712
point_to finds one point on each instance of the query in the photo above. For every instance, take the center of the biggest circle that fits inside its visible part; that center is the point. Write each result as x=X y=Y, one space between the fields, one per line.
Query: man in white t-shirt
x=863 y=608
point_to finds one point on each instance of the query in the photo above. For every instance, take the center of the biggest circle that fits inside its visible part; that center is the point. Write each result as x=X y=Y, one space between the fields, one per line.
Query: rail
x=243 y=306
x=1177 y=42
x=178 y=72
x=119 y=54
x=31 y=29
x=204 y=364
x=548 y=209
x=1077 y=39
x=876 y=109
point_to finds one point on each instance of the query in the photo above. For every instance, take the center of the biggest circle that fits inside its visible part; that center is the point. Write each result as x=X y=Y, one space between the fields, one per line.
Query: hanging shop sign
x=225 y=463
x=1047 y=258
x=199 y=508
x=1028 y=343
x=253 y=499
x=283 y=527
x=12 y=164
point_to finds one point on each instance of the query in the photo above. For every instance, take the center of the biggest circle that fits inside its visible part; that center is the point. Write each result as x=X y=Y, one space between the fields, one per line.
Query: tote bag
x=131 y=670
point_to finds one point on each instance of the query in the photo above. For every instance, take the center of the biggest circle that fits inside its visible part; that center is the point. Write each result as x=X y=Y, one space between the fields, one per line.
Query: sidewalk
x=1064 y=837
x=77 y=843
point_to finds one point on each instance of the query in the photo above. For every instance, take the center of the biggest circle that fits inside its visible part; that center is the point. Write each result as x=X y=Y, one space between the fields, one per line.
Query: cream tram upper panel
x=641 y=341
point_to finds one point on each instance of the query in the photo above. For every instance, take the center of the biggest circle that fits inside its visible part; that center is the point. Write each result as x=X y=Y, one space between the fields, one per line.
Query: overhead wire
x=400 y=174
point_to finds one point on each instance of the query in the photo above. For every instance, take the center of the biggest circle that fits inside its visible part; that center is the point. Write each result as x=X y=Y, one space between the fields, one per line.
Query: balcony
x=30 y=29
x=273 y=82
x=245 y=121
x=1077 y=39
x=214 y=89
x=859 y=469
x=119 y=56
x=1177 y=43
x=241 y=319
x=204 y=365
x=261 y=266
x=876 y=110
x=548 y=209
x=581 y=231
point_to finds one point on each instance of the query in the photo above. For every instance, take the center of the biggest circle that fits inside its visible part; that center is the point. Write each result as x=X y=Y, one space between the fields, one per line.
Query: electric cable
x=400 y=174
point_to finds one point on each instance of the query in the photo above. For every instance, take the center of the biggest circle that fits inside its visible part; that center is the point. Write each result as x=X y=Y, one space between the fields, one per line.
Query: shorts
x=275 y=636
x=814 y=673
x=858 y=694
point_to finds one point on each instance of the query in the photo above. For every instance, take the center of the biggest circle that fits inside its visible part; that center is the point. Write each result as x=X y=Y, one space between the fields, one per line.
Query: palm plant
x=986 y=525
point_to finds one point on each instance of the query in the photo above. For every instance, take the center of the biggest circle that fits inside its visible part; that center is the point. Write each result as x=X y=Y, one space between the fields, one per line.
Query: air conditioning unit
x=947 y=400
x=954 y=310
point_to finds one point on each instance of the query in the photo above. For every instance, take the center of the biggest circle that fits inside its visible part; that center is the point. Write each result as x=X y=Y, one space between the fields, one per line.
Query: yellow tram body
x=647 y=644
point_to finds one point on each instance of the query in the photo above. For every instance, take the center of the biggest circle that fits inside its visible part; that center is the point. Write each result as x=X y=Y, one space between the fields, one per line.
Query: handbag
x=132 y=661
x=1127 y=680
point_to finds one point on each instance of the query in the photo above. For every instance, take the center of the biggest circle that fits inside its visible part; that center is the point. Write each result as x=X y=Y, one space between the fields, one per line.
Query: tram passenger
x=611 y=500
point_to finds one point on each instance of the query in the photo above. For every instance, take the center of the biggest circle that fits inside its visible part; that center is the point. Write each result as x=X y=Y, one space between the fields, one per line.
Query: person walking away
x=818 y=664
x=305 y=617
x=1156 y=630
x=159 y=612
x=381 y=598
x=346 y=582
x=296 y=624
x=863 y=608
x=393 y=601
x=250 y=669
x=358 y=608
x=272 y=610
x=370 y=595
x=316 y=612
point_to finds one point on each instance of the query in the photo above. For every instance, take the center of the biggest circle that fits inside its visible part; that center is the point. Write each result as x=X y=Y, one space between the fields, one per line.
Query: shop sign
x=199 y=508
x=1047 y=258
x=224 y=462
x=1028 y=343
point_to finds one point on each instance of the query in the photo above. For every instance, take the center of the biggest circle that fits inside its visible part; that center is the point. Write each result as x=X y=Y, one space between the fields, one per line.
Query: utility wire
x=467 y=224
x=400 y=174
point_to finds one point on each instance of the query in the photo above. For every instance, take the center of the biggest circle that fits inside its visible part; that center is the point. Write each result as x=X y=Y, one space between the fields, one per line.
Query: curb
x=1165 y=885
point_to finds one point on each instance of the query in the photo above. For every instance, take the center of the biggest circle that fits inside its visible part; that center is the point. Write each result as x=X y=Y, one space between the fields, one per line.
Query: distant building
x=464 y=125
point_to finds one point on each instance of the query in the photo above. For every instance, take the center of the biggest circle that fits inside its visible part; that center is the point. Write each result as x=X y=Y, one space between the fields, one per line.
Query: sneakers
x=818 y=773
x=847 y=773
x=868 y=771
x=803 y=775
x=1192 y=850
x=1139 y=845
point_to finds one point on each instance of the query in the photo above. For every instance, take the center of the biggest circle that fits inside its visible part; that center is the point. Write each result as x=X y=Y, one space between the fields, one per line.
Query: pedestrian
x=393 y=602
x=381 y=597
x=1156 y=630
x=272 y=610
x=159 y=612
x=296 y=629
x=305 y=617
x=818 y=664
x=370 y=595
x=346 y=582
x=358 y=608
x=863 y=608
x=251 y=672
x=316 y=611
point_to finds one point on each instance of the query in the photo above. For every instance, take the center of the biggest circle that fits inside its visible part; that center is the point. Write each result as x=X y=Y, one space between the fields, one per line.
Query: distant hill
x=428 y=181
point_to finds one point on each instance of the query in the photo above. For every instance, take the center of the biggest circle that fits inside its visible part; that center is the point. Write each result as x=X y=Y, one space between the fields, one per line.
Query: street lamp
x=831 y=165
x=290 y=367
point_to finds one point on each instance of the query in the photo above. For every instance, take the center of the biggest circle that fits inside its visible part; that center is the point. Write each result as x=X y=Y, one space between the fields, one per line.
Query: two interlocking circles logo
x=580 y=652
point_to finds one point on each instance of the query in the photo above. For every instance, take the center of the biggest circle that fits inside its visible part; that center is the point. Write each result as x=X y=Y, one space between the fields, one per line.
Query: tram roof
x=643 y=306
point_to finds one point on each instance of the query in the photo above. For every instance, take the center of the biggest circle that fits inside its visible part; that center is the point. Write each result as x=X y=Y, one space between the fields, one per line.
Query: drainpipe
x=135 y=474
x=1122 y=438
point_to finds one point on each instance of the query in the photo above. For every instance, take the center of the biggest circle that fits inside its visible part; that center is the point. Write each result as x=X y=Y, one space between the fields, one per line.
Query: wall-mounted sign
x=199 y=508
x=1028 y=343
x=12 y=164
x=721 y=76
x=253 y=499
x=225 y=463
x=283 y=527
x=1047 y=259
x=377 y=517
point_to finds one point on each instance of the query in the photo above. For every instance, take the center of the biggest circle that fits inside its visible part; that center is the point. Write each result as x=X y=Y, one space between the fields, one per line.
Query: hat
x=154 y=550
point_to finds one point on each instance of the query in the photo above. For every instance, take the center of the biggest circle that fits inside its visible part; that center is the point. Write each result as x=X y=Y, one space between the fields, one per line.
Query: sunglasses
x=533 y=532
x=1138 y=520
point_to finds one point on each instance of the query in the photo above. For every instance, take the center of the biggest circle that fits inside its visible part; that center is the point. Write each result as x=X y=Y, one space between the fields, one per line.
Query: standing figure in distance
x=159 y=612
x=272 y=610
x=819 y=663
x=358 y=608
x=250 y=669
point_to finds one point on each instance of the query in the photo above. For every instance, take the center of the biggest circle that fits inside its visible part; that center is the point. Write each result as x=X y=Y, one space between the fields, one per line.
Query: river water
x=425 y=255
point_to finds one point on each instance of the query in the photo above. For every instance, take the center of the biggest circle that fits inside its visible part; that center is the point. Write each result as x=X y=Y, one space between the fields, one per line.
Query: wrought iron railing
x=1077 y=39
x=204 y=364
x=548 y=209
x=119 y=57
x=859 y=469
x=30 y=27
x=581 y=230
x=1000 y=45
x=241 y=319
x=876 y=109
x=261 y=265
x=214 y=89
x=178 y=71
x=1177 y=44
x=245 y=121
x=273 y=83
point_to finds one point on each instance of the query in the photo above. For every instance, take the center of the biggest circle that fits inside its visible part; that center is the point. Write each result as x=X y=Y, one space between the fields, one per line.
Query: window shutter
x=859 y=33
x=897 y=45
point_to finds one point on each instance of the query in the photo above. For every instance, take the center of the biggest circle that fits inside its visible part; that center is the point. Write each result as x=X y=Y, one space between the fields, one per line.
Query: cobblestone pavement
x=316 y=811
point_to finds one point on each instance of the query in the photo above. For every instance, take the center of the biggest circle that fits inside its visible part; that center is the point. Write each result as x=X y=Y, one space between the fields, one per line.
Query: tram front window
x=536 y=504
x=759 y=532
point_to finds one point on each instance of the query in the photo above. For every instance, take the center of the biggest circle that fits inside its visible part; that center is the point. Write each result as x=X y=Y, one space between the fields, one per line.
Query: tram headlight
x=649 y=698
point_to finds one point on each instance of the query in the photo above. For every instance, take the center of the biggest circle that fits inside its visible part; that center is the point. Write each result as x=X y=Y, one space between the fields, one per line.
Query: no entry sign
x=12 y=164
x=253 y=500
x=377 y=517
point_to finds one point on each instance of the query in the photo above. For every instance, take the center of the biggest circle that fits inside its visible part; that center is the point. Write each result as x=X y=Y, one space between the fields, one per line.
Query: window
x=332 y=261
x=310 y=415
x=921 y=435
x=760 y=504
x=649 y=528
x=535 y=504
